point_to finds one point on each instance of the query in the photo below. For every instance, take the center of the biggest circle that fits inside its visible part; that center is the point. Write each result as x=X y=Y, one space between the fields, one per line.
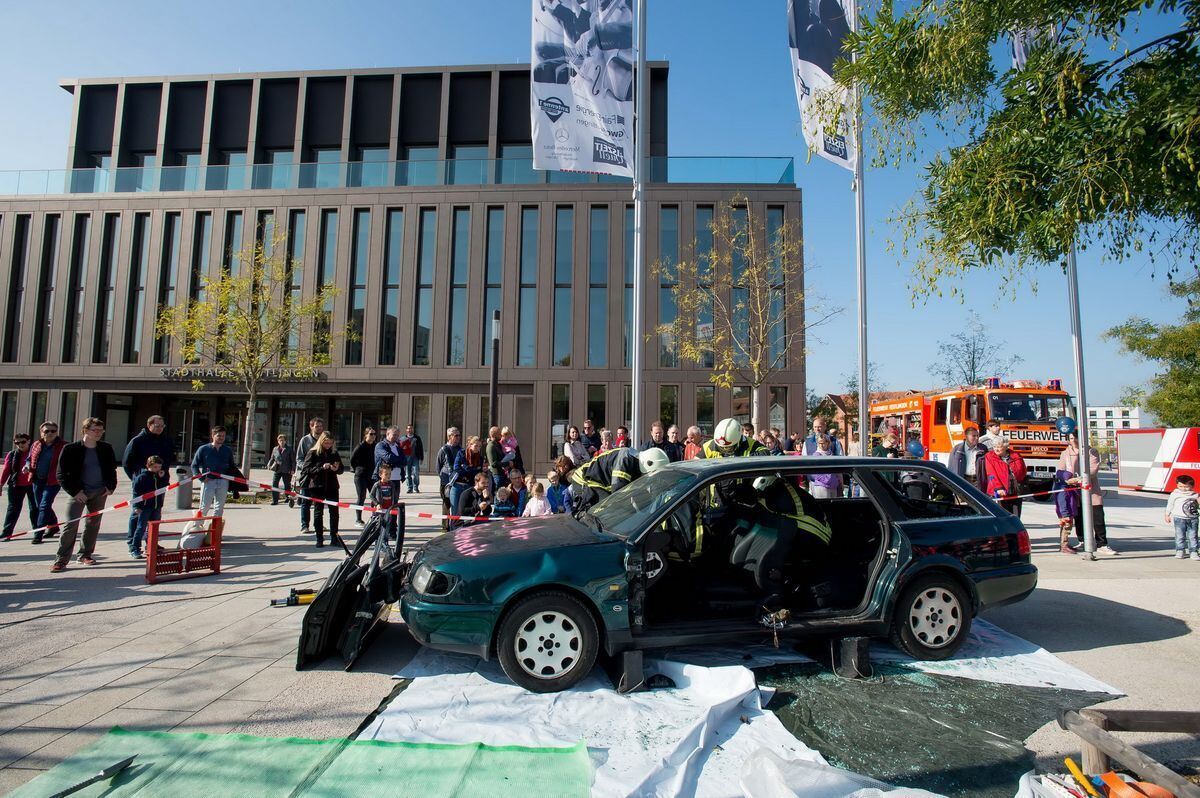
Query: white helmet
x=652 y=459
x=727 y=435
x=762 y=483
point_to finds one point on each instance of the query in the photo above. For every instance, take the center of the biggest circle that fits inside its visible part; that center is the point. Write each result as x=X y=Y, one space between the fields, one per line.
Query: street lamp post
x=494 y=377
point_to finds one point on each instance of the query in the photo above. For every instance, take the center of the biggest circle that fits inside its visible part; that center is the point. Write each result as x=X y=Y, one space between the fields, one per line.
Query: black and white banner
x=582 y=86
x=816 y=30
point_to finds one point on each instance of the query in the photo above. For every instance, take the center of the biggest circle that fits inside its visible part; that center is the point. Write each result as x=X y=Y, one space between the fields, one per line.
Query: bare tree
x=246 y=325
x=972 y=355
x=741 y=307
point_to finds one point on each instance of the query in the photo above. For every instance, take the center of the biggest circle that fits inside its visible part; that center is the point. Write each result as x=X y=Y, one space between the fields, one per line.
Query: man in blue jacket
x=152 y=441
x=390 y=451
x=214 y=457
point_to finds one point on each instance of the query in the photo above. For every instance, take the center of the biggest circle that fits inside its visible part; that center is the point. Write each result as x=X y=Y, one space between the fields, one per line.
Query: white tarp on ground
x=990 y=654
x=695 y=739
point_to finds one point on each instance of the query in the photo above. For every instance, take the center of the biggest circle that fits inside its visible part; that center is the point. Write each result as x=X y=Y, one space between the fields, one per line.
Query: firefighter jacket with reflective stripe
x=785 y=500
x=747 y=448
x=609 y=470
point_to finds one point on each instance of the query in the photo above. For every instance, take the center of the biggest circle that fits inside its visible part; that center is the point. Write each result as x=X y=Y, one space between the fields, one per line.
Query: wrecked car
x=722 y=551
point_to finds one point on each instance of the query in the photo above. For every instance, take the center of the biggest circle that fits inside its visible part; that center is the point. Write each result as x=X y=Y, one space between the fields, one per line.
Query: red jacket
x=999 y=475
x=36 y=450
x=14 y=462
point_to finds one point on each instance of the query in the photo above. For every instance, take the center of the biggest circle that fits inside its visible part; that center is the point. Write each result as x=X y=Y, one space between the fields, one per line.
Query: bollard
x=183 y=494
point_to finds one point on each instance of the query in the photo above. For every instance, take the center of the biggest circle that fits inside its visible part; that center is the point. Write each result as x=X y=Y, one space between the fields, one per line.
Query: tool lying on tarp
x=295 y=598
x=103 y=775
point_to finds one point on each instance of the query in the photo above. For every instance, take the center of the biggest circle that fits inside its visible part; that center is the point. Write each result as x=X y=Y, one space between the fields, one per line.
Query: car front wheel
x=547 y=642
x=932 y=618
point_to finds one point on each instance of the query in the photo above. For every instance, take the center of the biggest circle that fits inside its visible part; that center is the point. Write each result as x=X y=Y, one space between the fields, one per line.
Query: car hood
x=518 y=536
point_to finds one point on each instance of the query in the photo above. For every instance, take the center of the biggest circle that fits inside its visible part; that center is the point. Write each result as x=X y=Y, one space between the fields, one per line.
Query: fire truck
x=1152 y=459
x=1026 y=410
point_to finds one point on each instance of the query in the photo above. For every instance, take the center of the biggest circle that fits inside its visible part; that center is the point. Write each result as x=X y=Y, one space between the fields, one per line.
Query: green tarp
x=957 y=737
x=180 y=764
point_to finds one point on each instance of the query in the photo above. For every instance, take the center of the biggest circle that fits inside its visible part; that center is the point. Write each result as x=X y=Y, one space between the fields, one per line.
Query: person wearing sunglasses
x=43 y=471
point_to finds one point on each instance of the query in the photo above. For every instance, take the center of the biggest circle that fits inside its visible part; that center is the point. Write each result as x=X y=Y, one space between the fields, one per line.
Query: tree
x=740 y=306
x=245 y=325
x=970 y=356
x=1174 y=393
x=850 y=380
x=1091 y=141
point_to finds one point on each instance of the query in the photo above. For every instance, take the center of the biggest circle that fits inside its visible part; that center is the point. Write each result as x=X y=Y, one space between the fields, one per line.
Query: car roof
x=722 y=465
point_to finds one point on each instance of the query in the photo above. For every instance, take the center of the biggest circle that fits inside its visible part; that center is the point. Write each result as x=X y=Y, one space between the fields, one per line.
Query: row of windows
x=9 y=425
x=1109 y=413
x=359 y=296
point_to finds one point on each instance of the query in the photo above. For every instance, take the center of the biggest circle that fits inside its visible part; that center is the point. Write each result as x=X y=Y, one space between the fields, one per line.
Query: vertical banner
x=582 y=86
x=816 y=29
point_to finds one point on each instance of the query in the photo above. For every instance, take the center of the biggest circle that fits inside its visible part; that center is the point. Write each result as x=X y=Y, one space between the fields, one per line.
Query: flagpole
x=637 y=345
x=1081 y=429
x=864 y=391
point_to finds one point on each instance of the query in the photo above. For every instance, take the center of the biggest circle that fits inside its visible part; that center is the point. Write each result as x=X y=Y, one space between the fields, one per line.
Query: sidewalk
x=97 y=646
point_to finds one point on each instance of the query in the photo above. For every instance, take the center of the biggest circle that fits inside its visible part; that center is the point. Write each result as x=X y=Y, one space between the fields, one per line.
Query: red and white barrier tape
x=121 y=505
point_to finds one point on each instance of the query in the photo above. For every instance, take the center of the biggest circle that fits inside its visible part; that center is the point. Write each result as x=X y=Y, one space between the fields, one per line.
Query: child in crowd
x=150 y=479
x=1066 y=507
x=537 y=504
x=557 y=494
x=1183 y=509
x=383 y=498
x=504 y=507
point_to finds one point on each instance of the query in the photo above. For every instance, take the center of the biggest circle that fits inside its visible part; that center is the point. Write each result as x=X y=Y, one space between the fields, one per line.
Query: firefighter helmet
x=728 y=435
x=652 y=459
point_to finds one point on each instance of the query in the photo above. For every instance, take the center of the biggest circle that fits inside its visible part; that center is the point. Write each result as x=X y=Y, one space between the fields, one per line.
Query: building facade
x=412 y=191
x=1105 y=421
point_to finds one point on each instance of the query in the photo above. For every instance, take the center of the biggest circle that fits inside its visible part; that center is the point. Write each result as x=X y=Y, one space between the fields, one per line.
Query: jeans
x=45 y=494
x=1185 y=534
x=139 y=522
x=212 y=496
x=94 y=501
x=18 y=495
x=413 y=474
x=280 y=479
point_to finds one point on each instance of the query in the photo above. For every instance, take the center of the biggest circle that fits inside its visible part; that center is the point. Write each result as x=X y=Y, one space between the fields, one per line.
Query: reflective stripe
x=622 y=475
x=804 y=521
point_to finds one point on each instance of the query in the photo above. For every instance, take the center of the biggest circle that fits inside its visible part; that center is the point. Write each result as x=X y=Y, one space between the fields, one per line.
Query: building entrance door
x=188 y=422
x=352 y=416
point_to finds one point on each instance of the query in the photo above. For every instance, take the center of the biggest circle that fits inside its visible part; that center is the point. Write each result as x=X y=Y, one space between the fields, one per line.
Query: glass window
x=423 y=315
x=706 y=408
x=8 y=415
x=460 y=267
x=37 y=411
x=359 y=259
x=326 y=273
x=168 y=268
x=77 y=278
x=327 y=171
x=493 y=269
x=44 y=313
x=627 y=405
x=234 y=172
x=668 y=405
x=468 y=165
x=107 y=287
x=598 y=287
x=189 y=166
x=516 y=165
x=527 y=311
x=628 y=303
x=564 y=267
x=200 y=243
x=264 y=233
x=392 y=259
x=925 y=497
x=419 y=416
x=1028 y=407
x=777 y=407
x=597 y=401
x=295 y=272
x=277 y=172
x=233 y=242
x=560 y=415
x=704 y=248
x=668 y=254
x=135 y=300
x=371 y=169
x=740 y=396
x=1108 y=414
x=16 y=291
x=642 y=500
x=454 y=411
x=420 y=167
x=66 y=413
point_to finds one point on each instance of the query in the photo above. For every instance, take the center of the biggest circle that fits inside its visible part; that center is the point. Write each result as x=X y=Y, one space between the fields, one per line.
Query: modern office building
x=412 y=191
x=1104 y=421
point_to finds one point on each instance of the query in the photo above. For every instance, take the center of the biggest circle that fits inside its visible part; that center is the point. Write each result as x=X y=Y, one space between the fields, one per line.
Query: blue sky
x=730 y=94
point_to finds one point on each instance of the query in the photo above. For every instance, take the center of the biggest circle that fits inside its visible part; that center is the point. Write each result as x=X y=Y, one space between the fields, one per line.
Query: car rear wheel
x=547 y=642
x=932 y=618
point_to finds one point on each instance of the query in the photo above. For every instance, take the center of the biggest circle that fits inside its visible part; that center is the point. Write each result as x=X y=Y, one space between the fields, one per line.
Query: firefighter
x=783 y=517
x=610 y=471
x=728 y=441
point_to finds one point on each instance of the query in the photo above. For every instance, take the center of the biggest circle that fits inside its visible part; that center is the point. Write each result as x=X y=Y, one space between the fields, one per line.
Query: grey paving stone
x=18 y=743
x=221 y=716
x=13 y=715
x=267 y=684
x=75 y=680
x=85 y=709
x=197 y=687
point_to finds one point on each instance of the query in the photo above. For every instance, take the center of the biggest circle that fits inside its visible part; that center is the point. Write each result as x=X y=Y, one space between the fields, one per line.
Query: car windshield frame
x=1046 y=414
x=627 y=512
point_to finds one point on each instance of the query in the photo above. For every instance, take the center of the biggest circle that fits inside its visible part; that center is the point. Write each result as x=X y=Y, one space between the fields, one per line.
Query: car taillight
x=1023 y=546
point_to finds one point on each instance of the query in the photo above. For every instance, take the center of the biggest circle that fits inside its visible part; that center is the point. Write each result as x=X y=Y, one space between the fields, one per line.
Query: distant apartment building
x=1104 y=421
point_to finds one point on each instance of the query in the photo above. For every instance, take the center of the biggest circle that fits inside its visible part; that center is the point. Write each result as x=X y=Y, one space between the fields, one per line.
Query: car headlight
x=429 y=582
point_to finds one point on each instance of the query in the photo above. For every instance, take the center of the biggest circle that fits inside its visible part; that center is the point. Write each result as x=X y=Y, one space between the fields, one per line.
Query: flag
x=581 y=87
x=816 y=32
